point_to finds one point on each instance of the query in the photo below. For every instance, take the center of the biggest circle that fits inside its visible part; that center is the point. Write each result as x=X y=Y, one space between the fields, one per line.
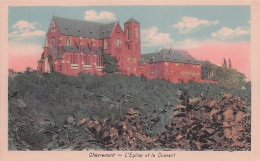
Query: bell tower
x=132 y=33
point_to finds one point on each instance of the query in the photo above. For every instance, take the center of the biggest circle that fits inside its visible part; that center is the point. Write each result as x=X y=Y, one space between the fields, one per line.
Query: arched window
x=68 y=41
x=128 y=33
x=53 y=40
x=136 y=33
x=74 y=59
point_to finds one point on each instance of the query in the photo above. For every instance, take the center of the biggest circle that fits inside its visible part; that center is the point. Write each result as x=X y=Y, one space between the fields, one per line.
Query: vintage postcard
x=129 y=80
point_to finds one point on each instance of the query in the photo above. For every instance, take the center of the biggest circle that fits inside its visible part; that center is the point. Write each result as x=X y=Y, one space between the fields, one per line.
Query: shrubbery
x=228 y=77
x=35 y=98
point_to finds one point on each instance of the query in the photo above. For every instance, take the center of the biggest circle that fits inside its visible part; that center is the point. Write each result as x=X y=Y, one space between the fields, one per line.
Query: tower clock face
x=118 y=42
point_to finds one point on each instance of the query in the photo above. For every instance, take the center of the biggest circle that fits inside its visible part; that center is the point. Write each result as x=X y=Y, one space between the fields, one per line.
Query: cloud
x=25 y=30
x=151 y=37
x=187 y=24
x=23 y=26
x=92 y=15
x=227 y=33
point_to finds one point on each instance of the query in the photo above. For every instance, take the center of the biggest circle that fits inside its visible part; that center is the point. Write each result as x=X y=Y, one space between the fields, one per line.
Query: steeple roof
x=131 y=20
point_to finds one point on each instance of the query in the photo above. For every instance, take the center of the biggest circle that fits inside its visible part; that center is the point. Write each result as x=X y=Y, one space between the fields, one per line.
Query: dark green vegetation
x=110 y=64
x=227 y=76
x=40 y=105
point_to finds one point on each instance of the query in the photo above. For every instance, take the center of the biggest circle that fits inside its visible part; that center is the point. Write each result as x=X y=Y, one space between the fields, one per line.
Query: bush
x=54 y=97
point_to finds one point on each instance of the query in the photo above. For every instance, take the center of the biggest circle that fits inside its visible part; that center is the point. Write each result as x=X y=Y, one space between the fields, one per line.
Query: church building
x=74 y=46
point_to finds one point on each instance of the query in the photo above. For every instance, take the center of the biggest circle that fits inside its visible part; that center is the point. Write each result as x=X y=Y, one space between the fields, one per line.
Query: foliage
x=110 y=64
x=40 y=104
x=224 y=63
x=228 y=77
x=230 y=64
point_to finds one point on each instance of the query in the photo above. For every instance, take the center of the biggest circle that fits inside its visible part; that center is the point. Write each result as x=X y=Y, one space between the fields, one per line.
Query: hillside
x=55 y=112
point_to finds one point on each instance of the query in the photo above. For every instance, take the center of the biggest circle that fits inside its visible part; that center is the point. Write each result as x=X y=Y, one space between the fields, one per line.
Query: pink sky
x=22 y=56
x=238 y=52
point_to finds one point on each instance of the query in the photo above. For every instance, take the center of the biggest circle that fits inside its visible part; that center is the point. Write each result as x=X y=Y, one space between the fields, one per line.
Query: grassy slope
x=55 y=97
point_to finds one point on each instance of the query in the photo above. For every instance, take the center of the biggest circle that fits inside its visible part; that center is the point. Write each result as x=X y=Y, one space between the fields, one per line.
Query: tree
x=110 y=64
x=230 y=64
x=206 y=68
x=10 y=72
x=28 y=69
x=228 y=77
x=224 y=63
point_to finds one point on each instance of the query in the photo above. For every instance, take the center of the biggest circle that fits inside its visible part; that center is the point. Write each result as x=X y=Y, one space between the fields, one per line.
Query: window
x=53 y=40
x=74 y=63
x=105 y=44
x=128 y=33
x=136 y=34
x=87 y=60
x=74 y=59
x=99 y=61
x=68 y=40
x=53 y=27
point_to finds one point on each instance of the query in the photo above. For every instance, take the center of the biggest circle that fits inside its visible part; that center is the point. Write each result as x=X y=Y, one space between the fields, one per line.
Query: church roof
x=97 y=51
x=131 y=20
x=86 y=50
x=72 y=49
x=170 y=55
x=84 y=28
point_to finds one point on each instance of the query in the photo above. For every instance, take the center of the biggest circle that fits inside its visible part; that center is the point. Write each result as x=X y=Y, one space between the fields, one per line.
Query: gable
x=117 y=29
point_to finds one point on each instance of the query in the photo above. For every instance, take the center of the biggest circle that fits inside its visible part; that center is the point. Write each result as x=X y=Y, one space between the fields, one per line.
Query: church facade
x=74 y=46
